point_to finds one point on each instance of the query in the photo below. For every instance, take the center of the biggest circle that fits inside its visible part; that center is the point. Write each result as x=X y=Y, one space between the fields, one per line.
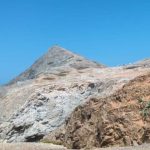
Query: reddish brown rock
x=122 y=119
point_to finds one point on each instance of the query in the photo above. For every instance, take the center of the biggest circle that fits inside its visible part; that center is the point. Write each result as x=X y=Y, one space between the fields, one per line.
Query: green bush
x=145 y=107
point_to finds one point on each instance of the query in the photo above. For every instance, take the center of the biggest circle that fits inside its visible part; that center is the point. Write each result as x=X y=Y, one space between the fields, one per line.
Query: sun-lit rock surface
x=40 y=100
x=121 y=119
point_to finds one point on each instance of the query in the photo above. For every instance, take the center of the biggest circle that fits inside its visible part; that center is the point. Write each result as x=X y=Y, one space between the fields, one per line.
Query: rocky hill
x=120 y=119
x=39 y=101
x=56 y=58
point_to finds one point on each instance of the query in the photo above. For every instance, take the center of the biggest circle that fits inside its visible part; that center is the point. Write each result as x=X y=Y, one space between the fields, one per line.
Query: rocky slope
x=39 y=100
x=121 y=119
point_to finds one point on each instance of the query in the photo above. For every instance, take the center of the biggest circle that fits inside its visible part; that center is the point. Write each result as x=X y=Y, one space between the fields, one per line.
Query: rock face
x=120 y=119
x=40 y=100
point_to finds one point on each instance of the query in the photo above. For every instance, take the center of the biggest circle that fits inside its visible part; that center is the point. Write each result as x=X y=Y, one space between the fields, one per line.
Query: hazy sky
x=112 y=32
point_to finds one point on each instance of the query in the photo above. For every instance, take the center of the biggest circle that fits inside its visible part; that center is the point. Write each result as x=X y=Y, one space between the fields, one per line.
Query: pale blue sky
x=112 y=32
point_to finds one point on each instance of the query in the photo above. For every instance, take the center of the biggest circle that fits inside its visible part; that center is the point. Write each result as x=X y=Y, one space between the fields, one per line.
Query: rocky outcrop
x=38 y=102
x=37 y=107
x=122 y=119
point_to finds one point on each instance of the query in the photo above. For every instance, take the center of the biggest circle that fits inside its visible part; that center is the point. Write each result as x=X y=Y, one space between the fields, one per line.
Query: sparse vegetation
x=46 y=141
x=145 y=107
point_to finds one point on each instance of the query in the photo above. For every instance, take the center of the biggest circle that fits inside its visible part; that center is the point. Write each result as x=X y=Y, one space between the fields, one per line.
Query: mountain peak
x=59 y=50
x=56 y=58
x=56 y=48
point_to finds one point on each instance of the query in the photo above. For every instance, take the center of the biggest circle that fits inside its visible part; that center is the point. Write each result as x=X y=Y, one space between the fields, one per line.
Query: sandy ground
x=30 y=146
x=142 y=147
x=40 y=146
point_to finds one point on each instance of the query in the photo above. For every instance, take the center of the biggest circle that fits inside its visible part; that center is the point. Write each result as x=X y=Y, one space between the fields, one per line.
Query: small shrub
x=145 y=107
x=146 y=110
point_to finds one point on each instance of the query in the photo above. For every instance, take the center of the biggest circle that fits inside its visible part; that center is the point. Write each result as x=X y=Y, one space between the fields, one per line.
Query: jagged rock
x=112 y=122
x=40 y=100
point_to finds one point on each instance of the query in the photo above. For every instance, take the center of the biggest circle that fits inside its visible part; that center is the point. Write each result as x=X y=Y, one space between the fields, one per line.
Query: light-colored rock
x=42 y=98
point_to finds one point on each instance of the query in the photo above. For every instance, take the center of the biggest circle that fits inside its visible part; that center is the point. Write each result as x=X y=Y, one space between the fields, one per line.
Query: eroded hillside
x=122 y=119
x=39 y=100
